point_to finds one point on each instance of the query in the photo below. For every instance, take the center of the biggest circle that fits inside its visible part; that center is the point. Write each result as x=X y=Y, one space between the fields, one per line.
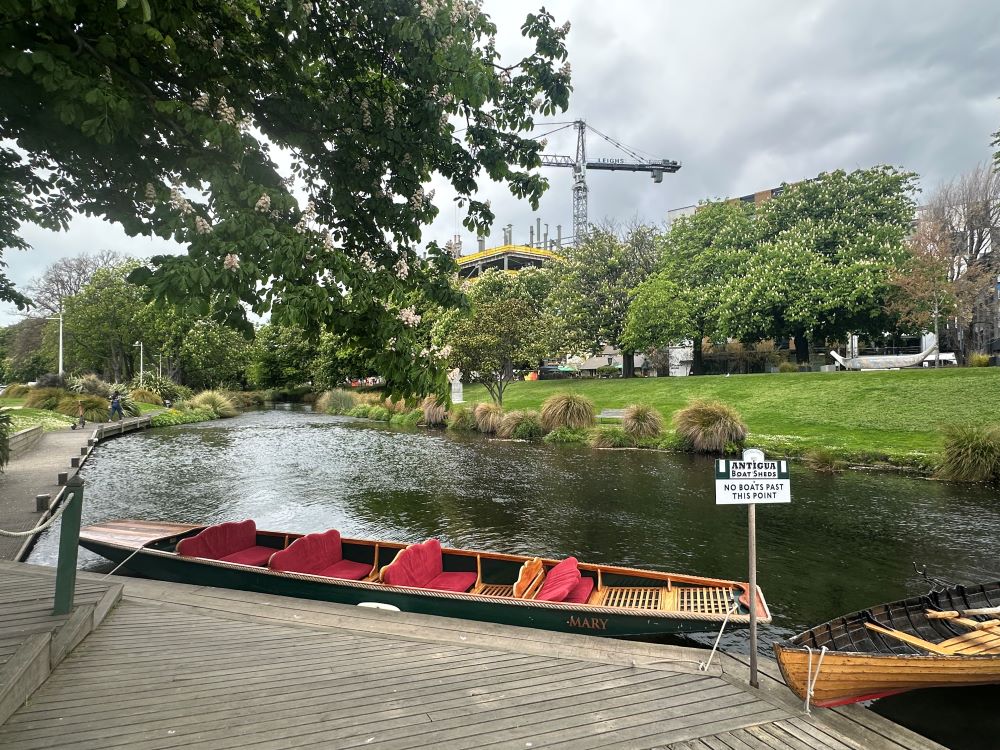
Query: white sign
x=755 y=481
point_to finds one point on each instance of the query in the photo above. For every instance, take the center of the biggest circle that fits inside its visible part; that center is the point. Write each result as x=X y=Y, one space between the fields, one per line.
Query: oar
x=949 y=613
x=965 y=622
x=910 y=639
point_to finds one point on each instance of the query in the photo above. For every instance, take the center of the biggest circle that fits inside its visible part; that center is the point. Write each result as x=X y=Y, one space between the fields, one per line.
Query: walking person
x=116 y=406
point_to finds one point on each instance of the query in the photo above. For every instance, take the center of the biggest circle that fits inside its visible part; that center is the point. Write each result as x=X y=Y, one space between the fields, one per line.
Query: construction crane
x=580 y=164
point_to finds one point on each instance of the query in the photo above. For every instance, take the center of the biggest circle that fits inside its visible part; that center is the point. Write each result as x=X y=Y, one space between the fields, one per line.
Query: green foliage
x=642 y=421
x=50 y=421
x=709 y=426
x=146 y=397
x=608 y=436
x=823 y=460
x=5 y=433
x=216 y=402
x=246 y=399
x=336 y=401
x=17 y=390
x=95 y=408
x=434 y=411
x=90 y=384
x=44 y=398
x=293 y=395
x=410 y=418
x=567 y=435
x=521 y=425
x=488 y=418
x=213 y=356
x=281 y=357
x=568 y=410
x=461 y=418
x=172 y=417
x=971 y=453
x=378 y=413
x=787 y=367
x=360 y=411
x=979 y=360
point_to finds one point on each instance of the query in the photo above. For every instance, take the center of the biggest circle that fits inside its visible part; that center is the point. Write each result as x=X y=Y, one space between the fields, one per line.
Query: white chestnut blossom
x=201 y=225
x=231 y=262
x=444 y=352
x=367 y=262
x=409 y=317
x=179 y=203
x=226 y=113
x=150 y=192
x=201 y=103
x=402 y=268
x=263 y=203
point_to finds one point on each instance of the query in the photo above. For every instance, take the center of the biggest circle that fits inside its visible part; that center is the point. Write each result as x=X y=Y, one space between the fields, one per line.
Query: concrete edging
x=22 y=441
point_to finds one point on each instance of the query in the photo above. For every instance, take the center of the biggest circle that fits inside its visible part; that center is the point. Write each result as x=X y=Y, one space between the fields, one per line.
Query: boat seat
x=564 y=583
x=232 y=541
x=318 y=555
x=420 y=566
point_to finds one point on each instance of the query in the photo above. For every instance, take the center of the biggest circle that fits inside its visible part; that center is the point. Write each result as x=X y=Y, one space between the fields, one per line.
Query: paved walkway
x=177 y=666
x=34 y=473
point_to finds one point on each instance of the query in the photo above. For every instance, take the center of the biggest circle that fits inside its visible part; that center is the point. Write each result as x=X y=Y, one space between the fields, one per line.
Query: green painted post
x=69 y=545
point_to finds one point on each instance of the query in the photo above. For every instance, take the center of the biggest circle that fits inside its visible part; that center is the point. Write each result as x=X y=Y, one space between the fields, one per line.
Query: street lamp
x=139 y=344
x=59 y=317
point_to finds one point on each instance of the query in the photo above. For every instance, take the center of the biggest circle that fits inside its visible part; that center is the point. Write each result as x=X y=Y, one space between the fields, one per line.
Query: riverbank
x=883 y=418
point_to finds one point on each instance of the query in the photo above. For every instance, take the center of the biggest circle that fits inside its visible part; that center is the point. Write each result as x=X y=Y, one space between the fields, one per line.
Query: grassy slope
x=894 y=412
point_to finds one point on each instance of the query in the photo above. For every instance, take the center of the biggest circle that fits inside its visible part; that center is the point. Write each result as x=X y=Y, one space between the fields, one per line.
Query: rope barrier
x=114 y=570
x=705 y=665
x=40 y=527
x=810 y=677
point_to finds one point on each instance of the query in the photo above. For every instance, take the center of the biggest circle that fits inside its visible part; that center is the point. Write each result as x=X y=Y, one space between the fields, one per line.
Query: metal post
x=752 y=522
x=69 y=541
x=60 y=341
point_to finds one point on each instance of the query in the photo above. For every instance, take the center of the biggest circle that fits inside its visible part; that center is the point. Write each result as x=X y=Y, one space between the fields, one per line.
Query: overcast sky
x=745 y=95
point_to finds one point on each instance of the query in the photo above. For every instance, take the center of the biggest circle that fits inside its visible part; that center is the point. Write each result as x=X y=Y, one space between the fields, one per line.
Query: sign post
x=748 y=482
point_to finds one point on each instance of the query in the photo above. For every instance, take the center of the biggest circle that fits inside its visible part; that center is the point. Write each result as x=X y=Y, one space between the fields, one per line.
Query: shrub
x=44 y=398
x=567 y=435
x=822 y=460
x=360 y=411
x=488 y=418
x=51 y=380
x=292 y=394
x=568 y=410
x=788 y=367
x=95 y=408
x=176 y=416
x=17 y=390
x=642 y=421
x=434 y=411
x=521 y=425
x=979 y=360
x=245 y=399
x=214 y=401
x=337 y=401
x=378 y=413
x=707 y=426
x=461 y=418
x=397 y=407
x=407 y=419
x=608 y=436
x=146 y=397
x=971 y=453
x=91 y=384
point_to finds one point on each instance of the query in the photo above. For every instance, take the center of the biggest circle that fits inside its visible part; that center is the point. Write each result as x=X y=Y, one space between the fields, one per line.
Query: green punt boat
x=565 y=595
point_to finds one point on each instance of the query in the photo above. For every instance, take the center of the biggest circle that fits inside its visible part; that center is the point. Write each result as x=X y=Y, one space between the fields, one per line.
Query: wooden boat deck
x=177 y=666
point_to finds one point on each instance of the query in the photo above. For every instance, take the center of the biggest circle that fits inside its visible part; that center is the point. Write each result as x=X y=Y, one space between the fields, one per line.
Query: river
x=845 y=541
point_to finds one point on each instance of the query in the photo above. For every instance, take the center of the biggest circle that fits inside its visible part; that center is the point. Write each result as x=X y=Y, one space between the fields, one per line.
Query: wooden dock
x=175 y=666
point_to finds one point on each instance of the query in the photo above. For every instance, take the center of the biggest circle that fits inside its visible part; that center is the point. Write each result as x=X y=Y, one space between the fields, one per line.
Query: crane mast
x=580 y=165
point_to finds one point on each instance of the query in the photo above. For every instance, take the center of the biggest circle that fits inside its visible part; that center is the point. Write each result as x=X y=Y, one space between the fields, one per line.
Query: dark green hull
x=567 y=618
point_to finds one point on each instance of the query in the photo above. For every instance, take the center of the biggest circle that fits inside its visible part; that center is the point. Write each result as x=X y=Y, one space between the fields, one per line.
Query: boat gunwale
x=144 y=549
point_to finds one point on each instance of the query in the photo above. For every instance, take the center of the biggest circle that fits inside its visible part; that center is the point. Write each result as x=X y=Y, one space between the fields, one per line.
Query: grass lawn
x=22 y=419
x=896 y=413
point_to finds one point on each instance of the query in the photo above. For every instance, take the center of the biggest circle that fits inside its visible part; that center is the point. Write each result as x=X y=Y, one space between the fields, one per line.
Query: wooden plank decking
x=182 y=667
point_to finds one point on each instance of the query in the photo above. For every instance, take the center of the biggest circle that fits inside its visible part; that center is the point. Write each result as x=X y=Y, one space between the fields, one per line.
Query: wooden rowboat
x=949 y=637
x=506 y=589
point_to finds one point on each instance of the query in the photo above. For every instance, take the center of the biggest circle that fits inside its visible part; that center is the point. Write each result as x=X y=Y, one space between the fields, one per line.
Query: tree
x=281 y=357
x=822 y=257
x=681 y=301
x=505 y=327
x=67 y=277
x=214 y=356
x=162 y=116
x=593 y=284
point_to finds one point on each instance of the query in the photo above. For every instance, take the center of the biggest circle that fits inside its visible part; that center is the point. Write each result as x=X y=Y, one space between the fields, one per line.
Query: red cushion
x=215 y=542
x=309 y=554
x=416 y=565
x=352 y=571
x=250 y=556
x=452 y=582
x=581 y=592
x=559 y=581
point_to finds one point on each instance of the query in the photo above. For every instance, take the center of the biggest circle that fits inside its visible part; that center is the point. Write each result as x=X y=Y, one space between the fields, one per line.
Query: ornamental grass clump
x=378 y=413
x=488 y=418
x=434 y=411
x=822 y=460
x=786 y=367
x=45 y=398
x=337 y=401
x=642 y=421
x=567 y=436
x=971 y=453
x=979 y=360
x=95 y=408
x=568 y=410
x=146 y=397
x=360 y=411
x=213 y=401
x=461 y=418
x=609 y=436
x=521 y=425
x=410 y=418
x=16 y=390
x=91 y=384
x=708 y=426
